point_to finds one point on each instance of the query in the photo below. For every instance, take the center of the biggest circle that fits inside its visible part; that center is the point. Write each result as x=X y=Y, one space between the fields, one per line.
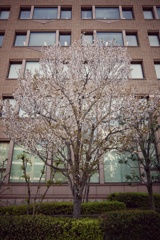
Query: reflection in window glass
x=42 y=39
x=4 y=14
x=14 y=70
x=11 y=101
x=1 y=38
x=45 y=13
x=65 y=13
x=127 y=13
x=95 y=177
x=59 y=178
x=116 y=172
x=148 y=14
x=25 y=14
x=153 y=40
x=4 y=147
x=106 y=36
x=32 y=66
x=107 y=13
x=33 y=169
x=86 y=13
x=157 y=68
x=20 y=40
x=136 y=70
x=65 y=39
x=131 y=40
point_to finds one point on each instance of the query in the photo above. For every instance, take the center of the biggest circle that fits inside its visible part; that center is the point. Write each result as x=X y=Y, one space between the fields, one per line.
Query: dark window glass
x=20 y=40
x=25 y=13
x=42 y=39
x=1 y=38
x=131 y=39
x=66 y=13
x=106 y=36
x=86 y=13
x=65 y=39
x=127 y=13
x=107 y=13
x=45 y=13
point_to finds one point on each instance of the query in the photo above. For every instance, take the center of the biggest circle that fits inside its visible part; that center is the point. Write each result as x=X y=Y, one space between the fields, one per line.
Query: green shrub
x=56 y=208
x=135 y=199
x=64 y=208
x=132 y=225
x=48 y=228
x=101 y=207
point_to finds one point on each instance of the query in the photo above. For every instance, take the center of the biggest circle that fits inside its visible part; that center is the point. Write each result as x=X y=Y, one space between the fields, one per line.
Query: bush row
x=118 y=225
x=48 y=228
x=135 y=199
x=65 y=208
x=132 y=225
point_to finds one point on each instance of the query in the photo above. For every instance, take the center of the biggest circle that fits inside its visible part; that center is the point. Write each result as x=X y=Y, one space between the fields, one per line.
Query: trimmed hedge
x=132 y=225
x=101 y=207
x=48 y=228
x=118 y=225
x=135 y=199
x=65 y=208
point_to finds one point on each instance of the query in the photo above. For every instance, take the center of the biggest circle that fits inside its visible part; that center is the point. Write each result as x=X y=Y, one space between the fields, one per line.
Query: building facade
x=26 y=26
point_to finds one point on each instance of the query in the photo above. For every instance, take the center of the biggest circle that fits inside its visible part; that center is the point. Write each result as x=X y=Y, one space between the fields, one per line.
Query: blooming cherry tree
x=71 y=106
x=142 y=140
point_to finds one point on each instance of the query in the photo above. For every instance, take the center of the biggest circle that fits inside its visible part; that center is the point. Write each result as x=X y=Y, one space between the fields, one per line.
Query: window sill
x=137 y=79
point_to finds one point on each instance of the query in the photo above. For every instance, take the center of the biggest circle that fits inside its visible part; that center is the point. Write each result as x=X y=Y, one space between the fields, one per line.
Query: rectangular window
x=157 y=69
x=154 y=39
x=4 y=148
x=66 y=13
x=127 y=13
x=45 y=13
x=158 y=11
x=88 y=38
x=95 y=177
x=1 y=39
x=148 y=13
x=65 y=39
x=107 y=13
x=33 y=168
x=131 y=39
x=14 y=70
x=86 y=13
x=137 y=71
x=20 y=39
x=11 y=101
x=42 y=39
x=25 y=13
x=116 y=172
x=106 y=36
x=4 y=13
x=32 y=66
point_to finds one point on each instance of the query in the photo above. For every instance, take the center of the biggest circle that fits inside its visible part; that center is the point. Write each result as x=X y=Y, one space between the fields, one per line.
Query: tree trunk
x=151 y=197
x=150 y=191
x=77 y=205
